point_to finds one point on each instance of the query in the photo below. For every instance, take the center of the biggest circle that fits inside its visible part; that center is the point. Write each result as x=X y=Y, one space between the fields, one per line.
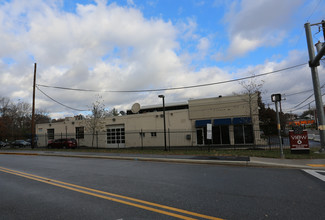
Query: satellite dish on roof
x=135 y=108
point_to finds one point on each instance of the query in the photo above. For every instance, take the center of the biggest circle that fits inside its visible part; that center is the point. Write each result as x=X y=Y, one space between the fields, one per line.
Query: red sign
x=298 y=141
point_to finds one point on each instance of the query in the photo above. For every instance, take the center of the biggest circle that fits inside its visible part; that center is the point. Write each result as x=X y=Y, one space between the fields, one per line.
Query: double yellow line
x=154 y=207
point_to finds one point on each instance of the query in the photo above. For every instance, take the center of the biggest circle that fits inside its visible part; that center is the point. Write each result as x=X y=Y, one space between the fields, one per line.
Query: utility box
x=299 y=140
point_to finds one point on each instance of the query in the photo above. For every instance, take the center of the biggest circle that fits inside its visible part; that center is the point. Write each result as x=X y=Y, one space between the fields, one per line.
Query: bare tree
x=41 y=116
x=94 y=121
x=4 y=105
x=5 y=120
x=252 y=90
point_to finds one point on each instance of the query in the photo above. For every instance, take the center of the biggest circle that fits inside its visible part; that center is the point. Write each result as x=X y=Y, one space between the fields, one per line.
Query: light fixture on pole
x=164 y=115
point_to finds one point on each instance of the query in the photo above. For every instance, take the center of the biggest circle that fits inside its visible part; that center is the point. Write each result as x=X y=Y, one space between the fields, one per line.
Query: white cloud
x=253 y=24
x=130 y=2
x=101 y=47
x=204 y=44
x=109 y=47
x=241 y=45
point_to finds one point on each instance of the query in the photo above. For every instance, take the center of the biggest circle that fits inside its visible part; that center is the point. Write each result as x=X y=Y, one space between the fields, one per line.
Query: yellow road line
x=80 y=189
x=316 y=165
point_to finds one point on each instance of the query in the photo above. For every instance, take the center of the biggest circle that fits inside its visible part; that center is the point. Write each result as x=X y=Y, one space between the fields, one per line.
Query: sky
x=128 y=51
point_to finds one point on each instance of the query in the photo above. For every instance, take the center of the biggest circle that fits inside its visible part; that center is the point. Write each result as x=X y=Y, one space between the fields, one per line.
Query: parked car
x=20 y=143
x=30 y=142
x=63 y=143
x=3 y=144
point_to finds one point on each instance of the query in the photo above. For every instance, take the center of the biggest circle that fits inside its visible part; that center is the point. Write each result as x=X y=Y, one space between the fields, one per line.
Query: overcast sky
x=125 y=45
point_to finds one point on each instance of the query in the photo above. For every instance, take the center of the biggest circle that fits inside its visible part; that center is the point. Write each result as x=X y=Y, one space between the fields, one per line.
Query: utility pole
x=323 y=25
x=33 y=109
x=313 y=63
x=164 y=114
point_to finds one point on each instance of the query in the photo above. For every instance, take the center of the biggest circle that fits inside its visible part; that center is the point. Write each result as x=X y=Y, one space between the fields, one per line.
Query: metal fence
x=155 y=139
x=122 y=139
x=146 y=139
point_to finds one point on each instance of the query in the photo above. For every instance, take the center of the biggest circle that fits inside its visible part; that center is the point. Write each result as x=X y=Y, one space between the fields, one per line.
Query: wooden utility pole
x=33 y=109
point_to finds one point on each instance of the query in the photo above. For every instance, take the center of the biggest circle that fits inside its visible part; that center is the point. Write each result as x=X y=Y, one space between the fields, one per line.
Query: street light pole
x=277 y=98
x=164 y=115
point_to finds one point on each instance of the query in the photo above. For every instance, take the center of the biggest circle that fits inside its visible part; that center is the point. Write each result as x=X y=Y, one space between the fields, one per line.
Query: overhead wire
x=302 y=29
x=303 y=105
x=184 y=87
x=295 y=107
x=173 y=88
x=316 y=6
x=75 y=109
x=164 y=89
x=308 y=97
x=297 y=93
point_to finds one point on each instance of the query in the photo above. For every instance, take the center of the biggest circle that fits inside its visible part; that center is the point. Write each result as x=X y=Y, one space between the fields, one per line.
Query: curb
x=173 y=160
x=169 y=160
x=20 y=153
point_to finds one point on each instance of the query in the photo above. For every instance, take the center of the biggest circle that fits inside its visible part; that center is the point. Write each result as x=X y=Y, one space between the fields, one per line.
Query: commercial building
x=234 y=121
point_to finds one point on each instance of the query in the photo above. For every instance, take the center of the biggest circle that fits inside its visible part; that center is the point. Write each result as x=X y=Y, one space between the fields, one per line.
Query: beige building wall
x=150 y=124
x=227 y=107
x=64 y=129
x=180 y=123
x=223 y=107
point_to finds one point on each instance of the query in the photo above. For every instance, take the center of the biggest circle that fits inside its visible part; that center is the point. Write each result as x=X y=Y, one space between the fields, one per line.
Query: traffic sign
x=298 y=140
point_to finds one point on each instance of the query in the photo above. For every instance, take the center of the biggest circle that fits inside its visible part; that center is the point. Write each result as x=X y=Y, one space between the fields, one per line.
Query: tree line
x=16 y=119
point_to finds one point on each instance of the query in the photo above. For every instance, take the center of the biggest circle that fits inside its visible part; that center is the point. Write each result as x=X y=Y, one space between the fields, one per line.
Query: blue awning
x=223 y=121
x=202 y=123
x=242 y=120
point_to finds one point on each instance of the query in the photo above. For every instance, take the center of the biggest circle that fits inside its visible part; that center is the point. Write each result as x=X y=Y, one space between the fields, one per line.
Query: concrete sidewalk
x=318 y=164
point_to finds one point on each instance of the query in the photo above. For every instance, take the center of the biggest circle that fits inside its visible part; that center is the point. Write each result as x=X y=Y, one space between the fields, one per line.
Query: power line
x=304 y=105
x=173 y=88
x=59 y=102
x=297 y=93
x=307 y=98
x=316 y=6
x=303 y=101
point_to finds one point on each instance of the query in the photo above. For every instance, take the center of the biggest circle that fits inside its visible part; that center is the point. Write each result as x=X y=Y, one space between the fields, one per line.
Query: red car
x=63 y=143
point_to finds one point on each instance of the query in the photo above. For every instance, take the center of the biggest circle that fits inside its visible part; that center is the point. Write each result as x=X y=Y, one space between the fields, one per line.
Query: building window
x=50 y=134
x=249 y=135
x=80 y=133
x=40 y=130
x=201 y=136
x=220 y=134
x=153 y=134
x=243 y=134
x=115 y=135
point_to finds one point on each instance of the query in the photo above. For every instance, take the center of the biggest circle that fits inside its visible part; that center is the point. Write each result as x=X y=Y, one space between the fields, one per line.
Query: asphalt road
x=34 y=187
